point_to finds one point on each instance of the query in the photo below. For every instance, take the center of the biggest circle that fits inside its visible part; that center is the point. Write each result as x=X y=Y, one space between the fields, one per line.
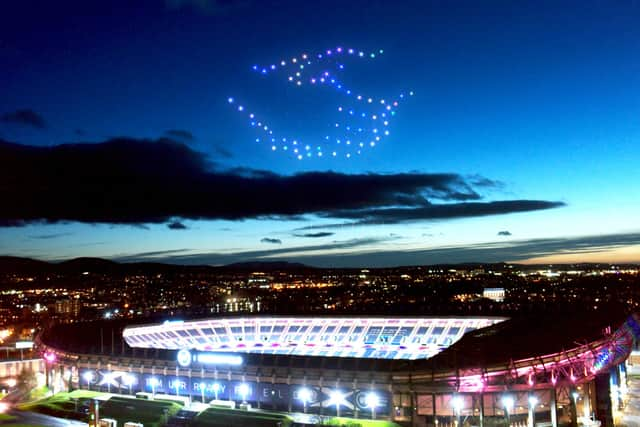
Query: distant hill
x=267 y=266
x=9 y=264
x=12 y=264
x=94 y=265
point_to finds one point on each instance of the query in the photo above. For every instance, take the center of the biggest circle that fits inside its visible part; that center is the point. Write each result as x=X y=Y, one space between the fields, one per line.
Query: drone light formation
x=361 y=121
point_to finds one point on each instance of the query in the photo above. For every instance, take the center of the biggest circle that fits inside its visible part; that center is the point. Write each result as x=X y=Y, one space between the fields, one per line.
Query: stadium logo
x=184 y=358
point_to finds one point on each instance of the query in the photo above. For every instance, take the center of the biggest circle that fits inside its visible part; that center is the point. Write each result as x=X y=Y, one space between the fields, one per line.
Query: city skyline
x=133 y=141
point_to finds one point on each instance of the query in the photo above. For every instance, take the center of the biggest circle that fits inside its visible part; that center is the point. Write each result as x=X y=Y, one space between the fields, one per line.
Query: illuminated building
x=415 y=371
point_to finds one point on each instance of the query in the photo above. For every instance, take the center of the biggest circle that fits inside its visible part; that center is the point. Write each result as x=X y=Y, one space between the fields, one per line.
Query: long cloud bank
x=132 y=181
x=354 y=253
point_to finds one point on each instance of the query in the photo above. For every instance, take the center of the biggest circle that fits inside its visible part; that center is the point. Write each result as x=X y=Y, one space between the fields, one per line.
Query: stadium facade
x=415 y=371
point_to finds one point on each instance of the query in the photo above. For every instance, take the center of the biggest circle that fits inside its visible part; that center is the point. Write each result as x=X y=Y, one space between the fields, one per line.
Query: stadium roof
x=358 y=337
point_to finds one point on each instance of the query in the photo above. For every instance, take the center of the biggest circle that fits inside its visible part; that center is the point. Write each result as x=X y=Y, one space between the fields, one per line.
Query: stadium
x=546 y=370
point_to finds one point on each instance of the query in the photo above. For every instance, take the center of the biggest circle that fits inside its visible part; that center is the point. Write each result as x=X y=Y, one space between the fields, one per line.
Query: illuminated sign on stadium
x=185 y=357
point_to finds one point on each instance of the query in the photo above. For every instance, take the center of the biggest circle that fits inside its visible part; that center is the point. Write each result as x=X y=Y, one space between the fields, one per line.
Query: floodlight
x=304 y=395
x=88 y=376
x=508 y=402
x=372 y=400
x=457 y=402
x=243 y=390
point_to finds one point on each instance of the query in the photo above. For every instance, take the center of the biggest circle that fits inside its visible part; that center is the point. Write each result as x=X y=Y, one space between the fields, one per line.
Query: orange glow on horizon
x=621 y=255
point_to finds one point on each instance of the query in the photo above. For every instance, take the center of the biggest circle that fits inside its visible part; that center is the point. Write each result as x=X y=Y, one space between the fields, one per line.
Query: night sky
x=134 y=130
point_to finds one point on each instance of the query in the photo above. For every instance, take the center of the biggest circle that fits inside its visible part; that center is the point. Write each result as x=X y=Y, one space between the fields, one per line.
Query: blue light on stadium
x=184 y=358
x=218 y=359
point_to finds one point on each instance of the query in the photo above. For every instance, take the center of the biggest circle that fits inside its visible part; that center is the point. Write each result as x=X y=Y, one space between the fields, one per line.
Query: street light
x=304 y=395
x=457 y=402
x=216 y=390
x=50 y=359
x=372 y=400
x=88 y=377
x=154 y=382
x=128 y=380
x=508 y=402
x=243 y=390
x=533 y=401
x=336 y=398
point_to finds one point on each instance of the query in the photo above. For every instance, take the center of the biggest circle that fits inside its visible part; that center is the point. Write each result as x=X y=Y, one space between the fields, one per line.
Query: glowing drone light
x=327 y=70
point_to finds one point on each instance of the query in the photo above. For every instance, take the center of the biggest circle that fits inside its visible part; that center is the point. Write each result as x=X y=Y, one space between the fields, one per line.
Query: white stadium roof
x=362 y=337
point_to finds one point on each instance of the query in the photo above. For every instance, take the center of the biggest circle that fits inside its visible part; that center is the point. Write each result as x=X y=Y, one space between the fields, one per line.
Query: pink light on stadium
x=50 y=357
x=530 y=380
x=473 y=383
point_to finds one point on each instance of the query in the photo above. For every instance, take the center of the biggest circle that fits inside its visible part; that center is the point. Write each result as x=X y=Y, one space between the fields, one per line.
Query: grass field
x=154 y=413
x=5 y=417
x=151 y=413
x=224 y=417
x=63 y=405
x=358 y=422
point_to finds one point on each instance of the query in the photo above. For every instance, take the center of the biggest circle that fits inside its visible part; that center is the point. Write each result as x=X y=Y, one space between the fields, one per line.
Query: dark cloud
x=179 y=134
x=176 y=225
x=215 y=258
x=49 y=236
x=504 y=233
x=164 y=254
x=314 y=235
x=13 y=222
x=24 y=117
x=137 y=182
x=270 y=240
x=364 y=257
x=222 y=152
x=80 y=132
x=481 y=181
x=440 y=211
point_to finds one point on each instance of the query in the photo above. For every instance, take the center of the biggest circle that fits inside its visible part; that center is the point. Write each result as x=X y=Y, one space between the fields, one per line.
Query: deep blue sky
x=540 y=98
